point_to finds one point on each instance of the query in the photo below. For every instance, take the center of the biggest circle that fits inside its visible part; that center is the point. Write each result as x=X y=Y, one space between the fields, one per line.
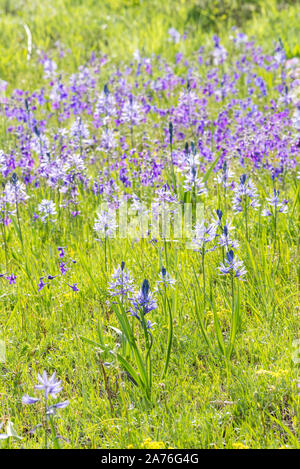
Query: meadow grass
x=205 y=398
x=119 y=27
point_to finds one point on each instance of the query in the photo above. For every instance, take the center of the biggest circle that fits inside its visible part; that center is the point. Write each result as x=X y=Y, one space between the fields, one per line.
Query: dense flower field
x=150 y=251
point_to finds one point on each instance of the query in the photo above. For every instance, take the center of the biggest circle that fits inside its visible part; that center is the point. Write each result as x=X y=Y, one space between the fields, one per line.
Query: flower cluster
x=143 y=303
x=233 y=266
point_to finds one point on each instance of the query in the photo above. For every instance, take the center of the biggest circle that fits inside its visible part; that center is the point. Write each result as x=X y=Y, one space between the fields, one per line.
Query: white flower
x=105 y=224
x=15 y=193
x=174 y=35
x=47 y=210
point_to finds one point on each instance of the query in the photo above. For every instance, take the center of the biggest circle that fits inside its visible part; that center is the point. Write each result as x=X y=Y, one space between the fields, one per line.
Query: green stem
x=170 y=334
x=203 y=273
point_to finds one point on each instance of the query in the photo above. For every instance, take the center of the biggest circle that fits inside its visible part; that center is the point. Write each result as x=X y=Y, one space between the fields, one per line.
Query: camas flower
x=15 y=192
x=245 y=194
x=174 y=35
x=51 y=387
x=143 y=304
x=47 y=209
x=28 y=400
x=105 y=106
x=132 y=112
x=79 y=131
x=121 y=283
x=105 y=224
x=219 y=52
x=223 y=178
x=274 y=202
x=203 y=234
x=165 y=279
x=193 y=182
x=217 y=223
x=225 y=239
x=231 y=266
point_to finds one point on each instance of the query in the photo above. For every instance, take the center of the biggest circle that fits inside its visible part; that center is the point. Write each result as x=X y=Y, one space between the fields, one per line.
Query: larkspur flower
x=42 y=284
x=11 y=279
x=51 y=277
x=74 y=287
x=61 y=252
x=63 y=267
x=232 y=266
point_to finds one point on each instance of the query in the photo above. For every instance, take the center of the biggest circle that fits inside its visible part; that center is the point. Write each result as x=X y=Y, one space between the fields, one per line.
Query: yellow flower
x=274 y=374
x=239 y=445
x=149 y=444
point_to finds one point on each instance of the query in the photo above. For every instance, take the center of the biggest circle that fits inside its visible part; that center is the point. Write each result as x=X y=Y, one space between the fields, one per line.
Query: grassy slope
x=44 y=331
x=119 y=27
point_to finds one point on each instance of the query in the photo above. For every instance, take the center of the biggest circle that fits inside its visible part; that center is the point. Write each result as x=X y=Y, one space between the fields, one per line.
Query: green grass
x=119 y=27
x=205 y=400
x=222 y=403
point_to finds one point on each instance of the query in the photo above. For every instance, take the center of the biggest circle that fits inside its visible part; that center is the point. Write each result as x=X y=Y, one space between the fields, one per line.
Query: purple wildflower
x=203 y=234
x=73 y=287
x=50 y=385
x=61 y=252
x=121 y=283
x=225 y=239
x=41 y=284
x=165 y=279
x=143 y=304
x=245 y=195
x=28 y=400
x=11 y=279
x=233 y=267
x=63 y=268
x=274 y=202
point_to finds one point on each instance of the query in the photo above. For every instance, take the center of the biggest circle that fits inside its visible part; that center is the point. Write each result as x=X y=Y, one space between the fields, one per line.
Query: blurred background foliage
x=119 y=27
